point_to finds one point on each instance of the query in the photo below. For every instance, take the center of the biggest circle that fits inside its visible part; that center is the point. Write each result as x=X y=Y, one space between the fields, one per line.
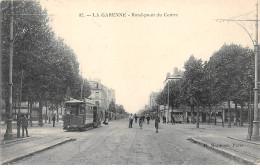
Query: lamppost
x=168 y=97
x=9 y=135
x=255 y=134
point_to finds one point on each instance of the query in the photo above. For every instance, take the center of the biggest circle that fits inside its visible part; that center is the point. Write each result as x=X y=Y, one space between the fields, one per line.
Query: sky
x=133 y=54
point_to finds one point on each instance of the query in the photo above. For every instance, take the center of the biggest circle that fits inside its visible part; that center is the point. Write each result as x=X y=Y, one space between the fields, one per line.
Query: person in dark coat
x=164 y=119
x=157 y=121
x=172 y=119
x=141 y=122
x=24 y=125
x=148 y=119
x=53 y=119
x=135 y=118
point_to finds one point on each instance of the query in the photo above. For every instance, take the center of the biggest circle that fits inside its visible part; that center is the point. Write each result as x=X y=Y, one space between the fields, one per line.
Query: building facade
x=100 y=94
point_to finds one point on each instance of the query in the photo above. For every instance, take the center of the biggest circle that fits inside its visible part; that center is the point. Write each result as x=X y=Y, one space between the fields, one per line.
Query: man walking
x=53 y=119
x=148 y=119
x=135 y=118
x=141 y=122
x=164 y=119
x=172 y=119
x=157 y=120
x=24 y=124
x=131 y=118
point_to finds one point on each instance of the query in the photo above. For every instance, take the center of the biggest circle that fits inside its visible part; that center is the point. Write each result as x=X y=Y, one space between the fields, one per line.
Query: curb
x=35 y=152
x=244 y=140
x=223 y=152
x=17 y=140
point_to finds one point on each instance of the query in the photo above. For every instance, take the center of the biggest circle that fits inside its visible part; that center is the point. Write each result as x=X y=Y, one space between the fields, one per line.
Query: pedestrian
x=164 y=119
x=24 y=125
x=148 y=119
x=106 y=121
x=172 y=120
x=131 y=118
x=188 y=121
x=141 y=122
x=157 y=121
x=53 y=120
x=135 y=118
x=235 y=121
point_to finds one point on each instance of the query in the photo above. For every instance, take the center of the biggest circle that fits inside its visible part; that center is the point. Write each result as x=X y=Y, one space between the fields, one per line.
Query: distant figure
x=148 y=119
x=106 y=121
x=131 y=118
x=24 y=124
x=141 y=122
x=164 y=119
x=172 y=120
x=235 y=121
x=135 y=118
x=188 y=121
x=157 y=121
x=53 y=119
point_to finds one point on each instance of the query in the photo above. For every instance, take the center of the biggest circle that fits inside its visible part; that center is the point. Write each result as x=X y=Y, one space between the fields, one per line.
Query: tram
x=81 y=115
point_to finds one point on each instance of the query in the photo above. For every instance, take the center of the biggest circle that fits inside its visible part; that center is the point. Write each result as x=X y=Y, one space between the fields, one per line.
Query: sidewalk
x=41 y=139
x=230 y=142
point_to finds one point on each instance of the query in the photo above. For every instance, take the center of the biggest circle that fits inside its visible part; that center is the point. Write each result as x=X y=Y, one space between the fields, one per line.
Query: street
x=116 y=144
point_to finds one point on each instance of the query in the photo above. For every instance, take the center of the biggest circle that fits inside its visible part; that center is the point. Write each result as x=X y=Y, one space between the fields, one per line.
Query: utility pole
x=168 y=102
x=255 y=135
x=19 y=111
x=1 y=105
x=82 y=85
x=9 y=135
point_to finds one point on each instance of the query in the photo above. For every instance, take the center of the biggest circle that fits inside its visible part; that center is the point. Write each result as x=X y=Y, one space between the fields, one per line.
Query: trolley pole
x=9 y=135
x=255 y=134
x=168 y=103
x=19 y=111
x=1 y=105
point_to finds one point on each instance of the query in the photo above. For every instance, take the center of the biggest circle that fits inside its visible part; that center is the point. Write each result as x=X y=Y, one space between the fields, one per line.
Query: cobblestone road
x=116 y=144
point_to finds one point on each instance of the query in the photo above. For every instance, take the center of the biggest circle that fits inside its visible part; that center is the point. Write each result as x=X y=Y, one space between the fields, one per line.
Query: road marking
x=175 y=146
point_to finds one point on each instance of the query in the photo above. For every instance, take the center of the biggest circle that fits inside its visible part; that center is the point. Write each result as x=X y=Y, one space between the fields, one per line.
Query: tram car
x=81 y=115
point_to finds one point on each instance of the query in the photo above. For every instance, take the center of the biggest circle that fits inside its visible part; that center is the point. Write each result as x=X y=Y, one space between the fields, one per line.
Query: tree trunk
x=61 y=108
x=222 y=117
x=215 y=121
x=241 y=114
x=236 y=114
x=57 y=112
x=209 y=114
x=229 y=115
x=197 y=121
x=15 y=106
x=30 y=114
x=40 y=113
x=46 y=113
x=192 y=114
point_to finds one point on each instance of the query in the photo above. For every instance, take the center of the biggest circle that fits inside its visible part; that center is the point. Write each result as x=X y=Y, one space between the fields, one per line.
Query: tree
x=231 y=64
x=192 y=85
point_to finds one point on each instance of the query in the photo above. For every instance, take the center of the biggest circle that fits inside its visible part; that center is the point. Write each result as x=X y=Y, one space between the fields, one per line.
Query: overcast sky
x=133 y=54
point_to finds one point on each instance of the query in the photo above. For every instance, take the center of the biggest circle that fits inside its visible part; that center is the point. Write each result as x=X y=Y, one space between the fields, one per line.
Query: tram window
x=73 y=109
x=67 y=109
x=82 y=109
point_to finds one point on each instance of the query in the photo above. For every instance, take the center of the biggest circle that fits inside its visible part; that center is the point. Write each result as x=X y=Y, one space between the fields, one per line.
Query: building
x=100 y=94
x=177 y=75
x=152 y=99
x=111 y=96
